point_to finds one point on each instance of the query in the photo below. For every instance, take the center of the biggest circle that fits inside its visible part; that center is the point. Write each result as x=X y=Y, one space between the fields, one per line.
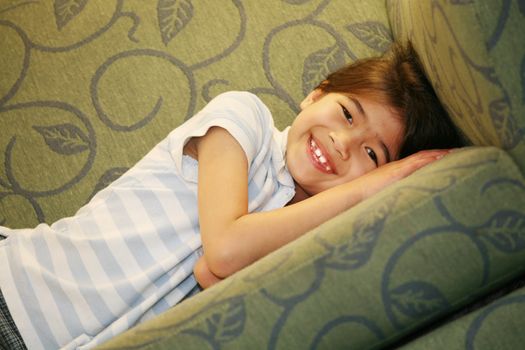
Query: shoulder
x=242 y=114
x=244 y=104
x=239 y=112
x=239 y=96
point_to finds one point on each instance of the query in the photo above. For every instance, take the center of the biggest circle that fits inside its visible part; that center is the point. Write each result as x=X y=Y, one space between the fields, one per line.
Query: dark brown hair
x=397 y=79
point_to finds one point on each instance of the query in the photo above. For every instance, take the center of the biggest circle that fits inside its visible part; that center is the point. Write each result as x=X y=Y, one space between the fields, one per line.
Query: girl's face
x=337 y=138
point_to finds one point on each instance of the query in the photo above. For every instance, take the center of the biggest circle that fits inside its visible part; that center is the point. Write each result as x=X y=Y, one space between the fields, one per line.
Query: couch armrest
x=411 y=254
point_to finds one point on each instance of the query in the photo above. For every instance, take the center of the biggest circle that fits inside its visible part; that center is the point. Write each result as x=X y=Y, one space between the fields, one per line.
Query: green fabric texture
x=499 y=325
x=473 y=52
x=371 y=275
x=88 y=87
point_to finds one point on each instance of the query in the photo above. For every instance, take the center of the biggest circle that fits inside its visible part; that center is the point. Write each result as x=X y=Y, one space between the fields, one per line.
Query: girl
x=221 y=191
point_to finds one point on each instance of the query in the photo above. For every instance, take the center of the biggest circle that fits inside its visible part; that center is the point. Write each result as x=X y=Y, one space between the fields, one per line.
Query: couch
x=433 y=262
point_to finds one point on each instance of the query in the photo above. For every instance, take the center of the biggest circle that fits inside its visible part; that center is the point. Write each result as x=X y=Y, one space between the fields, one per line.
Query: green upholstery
x=474 y=53
x=496 y=326
x=87 y=90
x=369 y=276
x=88 y=87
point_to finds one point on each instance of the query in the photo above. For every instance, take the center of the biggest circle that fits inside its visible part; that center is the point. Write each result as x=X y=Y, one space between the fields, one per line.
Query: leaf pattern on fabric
x=461 y=2
x=505 y=230
x=107 y=178
x=374 y=34
x=365 y=232
x=504 y=123
x=66 y=10
x=417 y=299
x=230 y=324
x=64 y=139
x=173 y=16
x=319 y=64
x=357 y=252
x=225 y=325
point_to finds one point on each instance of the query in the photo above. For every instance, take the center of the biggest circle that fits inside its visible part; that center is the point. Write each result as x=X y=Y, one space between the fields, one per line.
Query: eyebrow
x=359 y=106
x=365 y=116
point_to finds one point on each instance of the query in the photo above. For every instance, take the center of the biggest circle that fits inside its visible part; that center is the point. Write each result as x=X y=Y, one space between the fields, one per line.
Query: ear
x=311 y=98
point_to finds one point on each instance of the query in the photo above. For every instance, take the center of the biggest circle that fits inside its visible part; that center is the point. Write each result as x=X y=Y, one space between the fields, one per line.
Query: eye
x=347 y=114
x=372 y=155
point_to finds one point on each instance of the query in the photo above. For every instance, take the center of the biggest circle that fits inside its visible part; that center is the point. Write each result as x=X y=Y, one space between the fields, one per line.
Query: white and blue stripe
x=128 y=254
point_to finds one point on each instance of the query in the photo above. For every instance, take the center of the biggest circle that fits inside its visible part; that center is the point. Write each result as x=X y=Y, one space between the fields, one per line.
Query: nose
x=346 y=139
x=342 y=142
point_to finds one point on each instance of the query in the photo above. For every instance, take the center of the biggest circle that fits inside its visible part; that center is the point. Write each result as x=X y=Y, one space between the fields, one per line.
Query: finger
x=409 y=165
x=428 y=153
x=427 y=159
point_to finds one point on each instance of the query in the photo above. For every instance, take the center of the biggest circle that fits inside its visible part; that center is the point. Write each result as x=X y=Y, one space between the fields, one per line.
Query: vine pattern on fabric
x=141 y=67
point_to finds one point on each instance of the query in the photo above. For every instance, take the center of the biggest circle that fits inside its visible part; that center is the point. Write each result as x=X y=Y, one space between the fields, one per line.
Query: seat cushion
x=497 y=325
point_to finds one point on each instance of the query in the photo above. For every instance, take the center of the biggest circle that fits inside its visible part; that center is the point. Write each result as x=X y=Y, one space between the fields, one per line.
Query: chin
x=310 y=191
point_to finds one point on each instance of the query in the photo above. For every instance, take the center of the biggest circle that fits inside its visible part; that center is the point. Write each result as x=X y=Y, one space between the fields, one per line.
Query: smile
x=319 y=159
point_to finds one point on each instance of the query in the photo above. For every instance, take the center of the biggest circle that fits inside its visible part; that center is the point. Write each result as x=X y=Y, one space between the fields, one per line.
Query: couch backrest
x=474 y=54
x=86 y=91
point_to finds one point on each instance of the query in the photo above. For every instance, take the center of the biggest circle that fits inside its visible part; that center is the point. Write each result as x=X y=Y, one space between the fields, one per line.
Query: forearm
x=249 y=237
x=232 y=238
x=252 y=236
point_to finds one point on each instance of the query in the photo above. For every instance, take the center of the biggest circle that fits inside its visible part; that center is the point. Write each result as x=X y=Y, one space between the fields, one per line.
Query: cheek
x=396 y=140
x=357 y=169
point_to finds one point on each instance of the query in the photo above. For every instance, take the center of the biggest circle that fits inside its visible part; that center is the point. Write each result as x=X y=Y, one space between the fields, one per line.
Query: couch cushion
x=473 y=52
x=416 y=251
x=498 y=325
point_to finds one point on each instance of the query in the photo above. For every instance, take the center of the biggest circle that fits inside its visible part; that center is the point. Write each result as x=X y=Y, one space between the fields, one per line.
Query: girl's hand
x=378 y=179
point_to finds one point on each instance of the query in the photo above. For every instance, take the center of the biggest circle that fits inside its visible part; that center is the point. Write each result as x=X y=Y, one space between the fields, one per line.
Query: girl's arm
x=203 y=275
x=232 y=238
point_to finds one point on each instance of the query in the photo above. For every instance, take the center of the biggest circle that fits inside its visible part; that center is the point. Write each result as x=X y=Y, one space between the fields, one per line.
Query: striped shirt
x=129 y=253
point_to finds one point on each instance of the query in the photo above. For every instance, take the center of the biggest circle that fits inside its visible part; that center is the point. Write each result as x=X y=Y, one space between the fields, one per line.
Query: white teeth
x=319 y=155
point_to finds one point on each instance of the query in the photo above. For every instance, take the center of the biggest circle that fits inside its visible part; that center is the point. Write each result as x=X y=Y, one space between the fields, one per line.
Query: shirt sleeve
x=242 y=114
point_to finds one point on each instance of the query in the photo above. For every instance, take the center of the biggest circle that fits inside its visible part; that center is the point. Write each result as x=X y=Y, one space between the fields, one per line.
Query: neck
x=300 y=194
